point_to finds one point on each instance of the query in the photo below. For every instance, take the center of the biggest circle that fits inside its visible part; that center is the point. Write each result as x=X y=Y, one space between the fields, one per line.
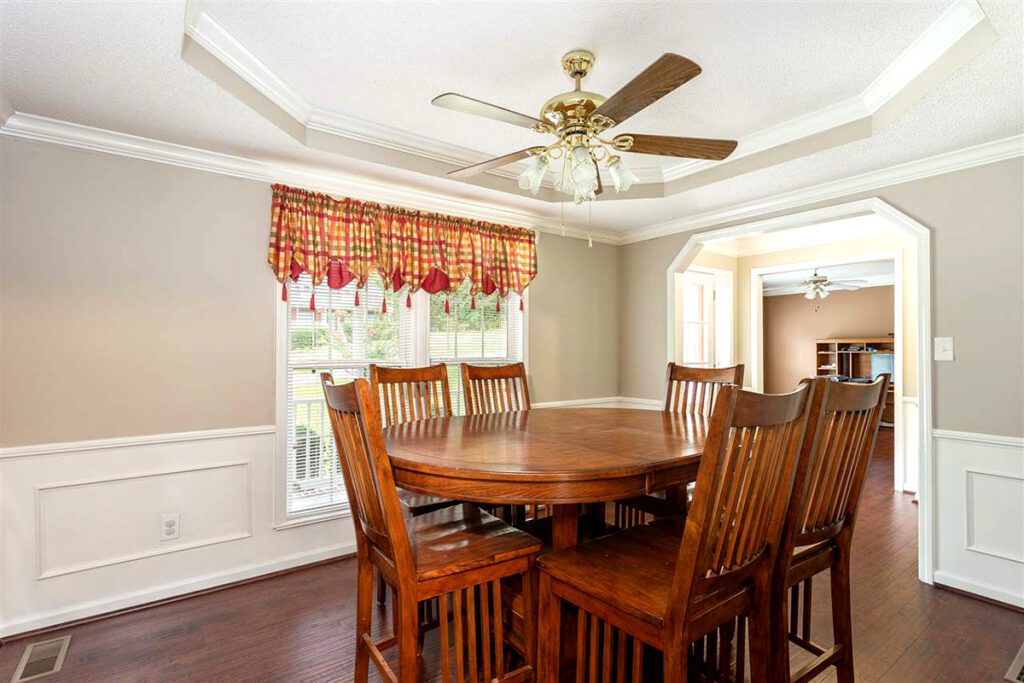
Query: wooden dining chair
x=645 y=586
x=458 y=554
x=690 y=391
x=406 y=394
x=495 y=388
x=492 y=389
x=840 y=439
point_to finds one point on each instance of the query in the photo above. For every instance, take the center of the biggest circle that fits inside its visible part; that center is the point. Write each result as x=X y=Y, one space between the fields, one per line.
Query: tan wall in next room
x=792 y=324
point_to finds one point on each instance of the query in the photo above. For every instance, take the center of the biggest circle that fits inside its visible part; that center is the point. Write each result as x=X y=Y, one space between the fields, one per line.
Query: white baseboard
x=978 y=588
x=127 y=600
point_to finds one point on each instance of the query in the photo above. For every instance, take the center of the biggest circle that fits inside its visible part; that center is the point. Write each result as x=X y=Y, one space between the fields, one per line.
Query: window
x=345 y=339
x=698 y=318
x=704 y=314
x=480 y=334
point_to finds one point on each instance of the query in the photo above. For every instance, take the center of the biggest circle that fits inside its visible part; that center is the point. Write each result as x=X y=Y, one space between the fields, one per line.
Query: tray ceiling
x=120 y=67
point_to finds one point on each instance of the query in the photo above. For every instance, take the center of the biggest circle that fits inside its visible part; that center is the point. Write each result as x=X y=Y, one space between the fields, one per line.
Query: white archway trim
x=922 y=237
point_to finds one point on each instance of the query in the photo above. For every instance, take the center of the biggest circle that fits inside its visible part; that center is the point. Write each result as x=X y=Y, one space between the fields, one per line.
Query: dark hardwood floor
x=299 y=627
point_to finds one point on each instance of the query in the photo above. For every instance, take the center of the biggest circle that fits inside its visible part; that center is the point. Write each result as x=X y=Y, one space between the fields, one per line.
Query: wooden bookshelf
x=858 y=358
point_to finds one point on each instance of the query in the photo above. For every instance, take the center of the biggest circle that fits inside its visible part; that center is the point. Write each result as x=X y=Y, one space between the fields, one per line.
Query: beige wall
x=792 y=324
x=574 y=311
x=882 y=244
x=977 y=223
x=136 y=299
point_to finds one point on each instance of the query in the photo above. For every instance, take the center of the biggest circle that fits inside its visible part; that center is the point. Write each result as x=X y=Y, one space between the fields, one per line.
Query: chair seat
x=631 y=570
x=464 y=537
x=420 y=503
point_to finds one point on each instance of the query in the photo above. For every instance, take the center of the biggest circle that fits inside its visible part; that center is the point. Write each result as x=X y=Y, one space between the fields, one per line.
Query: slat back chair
x=495 y=389
x=723 y=565
x=837 y=451
x=694 y=390
x=407 y=394
x=458 y=554
x=691 y=391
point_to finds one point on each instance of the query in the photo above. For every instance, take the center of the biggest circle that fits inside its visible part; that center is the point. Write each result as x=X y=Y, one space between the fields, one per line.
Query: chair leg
x=759 y=632
x=674 y=663
x=842 y=622
x=549 y=632
x=408 y=633
x=364 y=618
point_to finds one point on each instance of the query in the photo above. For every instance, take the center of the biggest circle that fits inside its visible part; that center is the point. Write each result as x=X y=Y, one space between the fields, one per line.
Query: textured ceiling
x=510 y=54
x=876 y=272
x=118 y=66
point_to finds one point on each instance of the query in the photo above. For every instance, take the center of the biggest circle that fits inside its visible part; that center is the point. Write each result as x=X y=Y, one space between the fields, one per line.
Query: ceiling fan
x=820 y=286
x=579 y=118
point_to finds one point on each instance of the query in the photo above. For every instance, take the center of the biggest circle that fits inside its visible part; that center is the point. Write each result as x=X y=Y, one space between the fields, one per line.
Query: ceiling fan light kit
x=579 y=119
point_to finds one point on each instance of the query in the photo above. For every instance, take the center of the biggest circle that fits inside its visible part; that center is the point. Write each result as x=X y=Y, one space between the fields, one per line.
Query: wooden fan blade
x=493 y=163
x=692 y=148
x=469 y=105
x=666 y=74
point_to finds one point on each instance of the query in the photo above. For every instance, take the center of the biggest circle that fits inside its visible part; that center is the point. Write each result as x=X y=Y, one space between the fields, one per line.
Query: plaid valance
x=346 y=240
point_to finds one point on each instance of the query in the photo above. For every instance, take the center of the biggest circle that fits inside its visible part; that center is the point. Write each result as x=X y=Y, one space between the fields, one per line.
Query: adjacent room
x=506 y=342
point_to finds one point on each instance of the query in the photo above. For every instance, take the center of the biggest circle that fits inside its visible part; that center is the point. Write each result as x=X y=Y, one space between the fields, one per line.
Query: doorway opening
x=869 y=245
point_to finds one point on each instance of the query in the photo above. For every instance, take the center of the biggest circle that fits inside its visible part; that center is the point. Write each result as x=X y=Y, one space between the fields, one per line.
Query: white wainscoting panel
x=980 y=514
x=214 y=504
x=81 y=522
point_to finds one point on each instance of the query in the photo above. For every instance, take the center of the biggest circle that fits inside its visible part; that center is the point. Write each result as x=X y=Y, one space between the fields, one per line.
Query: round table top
x=556 y=455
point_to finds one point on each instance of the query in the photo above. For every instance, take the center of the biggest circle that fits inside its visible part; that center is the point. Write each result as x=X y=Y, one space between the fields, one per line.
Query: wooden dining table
x=560 y=457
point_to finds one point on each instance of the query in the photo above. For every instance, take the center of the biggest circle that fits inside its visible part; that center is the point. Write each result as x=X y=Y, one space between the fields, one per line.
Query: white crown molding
x=42 y=129
x=954 y=38
x=216 y=40
x=31 y=127
x=949 y=162
x=960 y=33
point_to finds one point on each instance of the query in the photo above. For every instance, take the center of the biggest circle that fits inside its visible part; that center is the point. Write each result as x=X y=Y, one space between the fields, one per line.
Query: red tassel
x=357 y=298
x=472 y=303
x=408 y=300
x=497 y=305
x=447 y=308
x=284 y=291
x=312 y=301
x=520 y=303
x=384 y=305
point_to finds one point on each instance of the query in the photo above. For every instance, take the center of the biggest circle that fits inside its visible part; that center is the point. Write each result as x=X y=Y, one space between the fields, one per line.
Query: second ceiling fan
x=579 y=120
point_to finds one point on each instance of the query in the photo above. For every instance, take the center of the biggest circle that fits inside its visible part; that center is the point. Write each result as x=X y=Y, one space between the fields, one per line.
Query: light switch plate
x=943 y=349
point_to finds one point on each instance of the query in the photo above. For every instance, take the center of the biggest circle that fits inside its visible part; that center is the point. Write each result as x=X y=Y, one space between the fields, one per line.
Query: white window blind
x=344 y=339
x=483 y=335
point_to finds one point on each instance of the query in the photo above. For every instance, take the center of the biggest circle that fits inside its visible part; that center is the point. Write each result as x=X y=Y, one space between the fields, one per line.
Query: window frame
x=420 y=353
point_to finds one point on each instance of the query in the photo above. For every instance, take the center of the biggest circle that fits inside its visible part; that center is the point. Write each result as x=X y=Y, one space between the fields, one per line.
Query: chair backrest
x=694 y=390
x=840 y=439
x=495 y=389
x=408 y=394
x=366 y=469
x=747 y=472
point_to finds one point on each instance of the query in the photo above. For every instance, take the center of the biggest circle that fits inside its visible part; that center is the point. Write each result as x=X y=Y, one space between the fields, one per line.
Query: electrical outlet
x=170 y=527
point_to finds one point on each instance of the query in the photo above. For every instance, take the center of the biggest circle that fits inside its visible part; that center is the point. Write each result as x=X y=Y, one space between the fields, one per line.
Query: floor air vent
x=41 y=659
x=1016 y=672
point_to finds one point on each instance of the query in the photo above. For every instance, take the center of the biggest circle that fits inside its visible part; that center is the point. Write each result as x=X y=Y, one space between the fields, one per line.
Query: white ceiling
x=118 y=66
x=874 y=273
